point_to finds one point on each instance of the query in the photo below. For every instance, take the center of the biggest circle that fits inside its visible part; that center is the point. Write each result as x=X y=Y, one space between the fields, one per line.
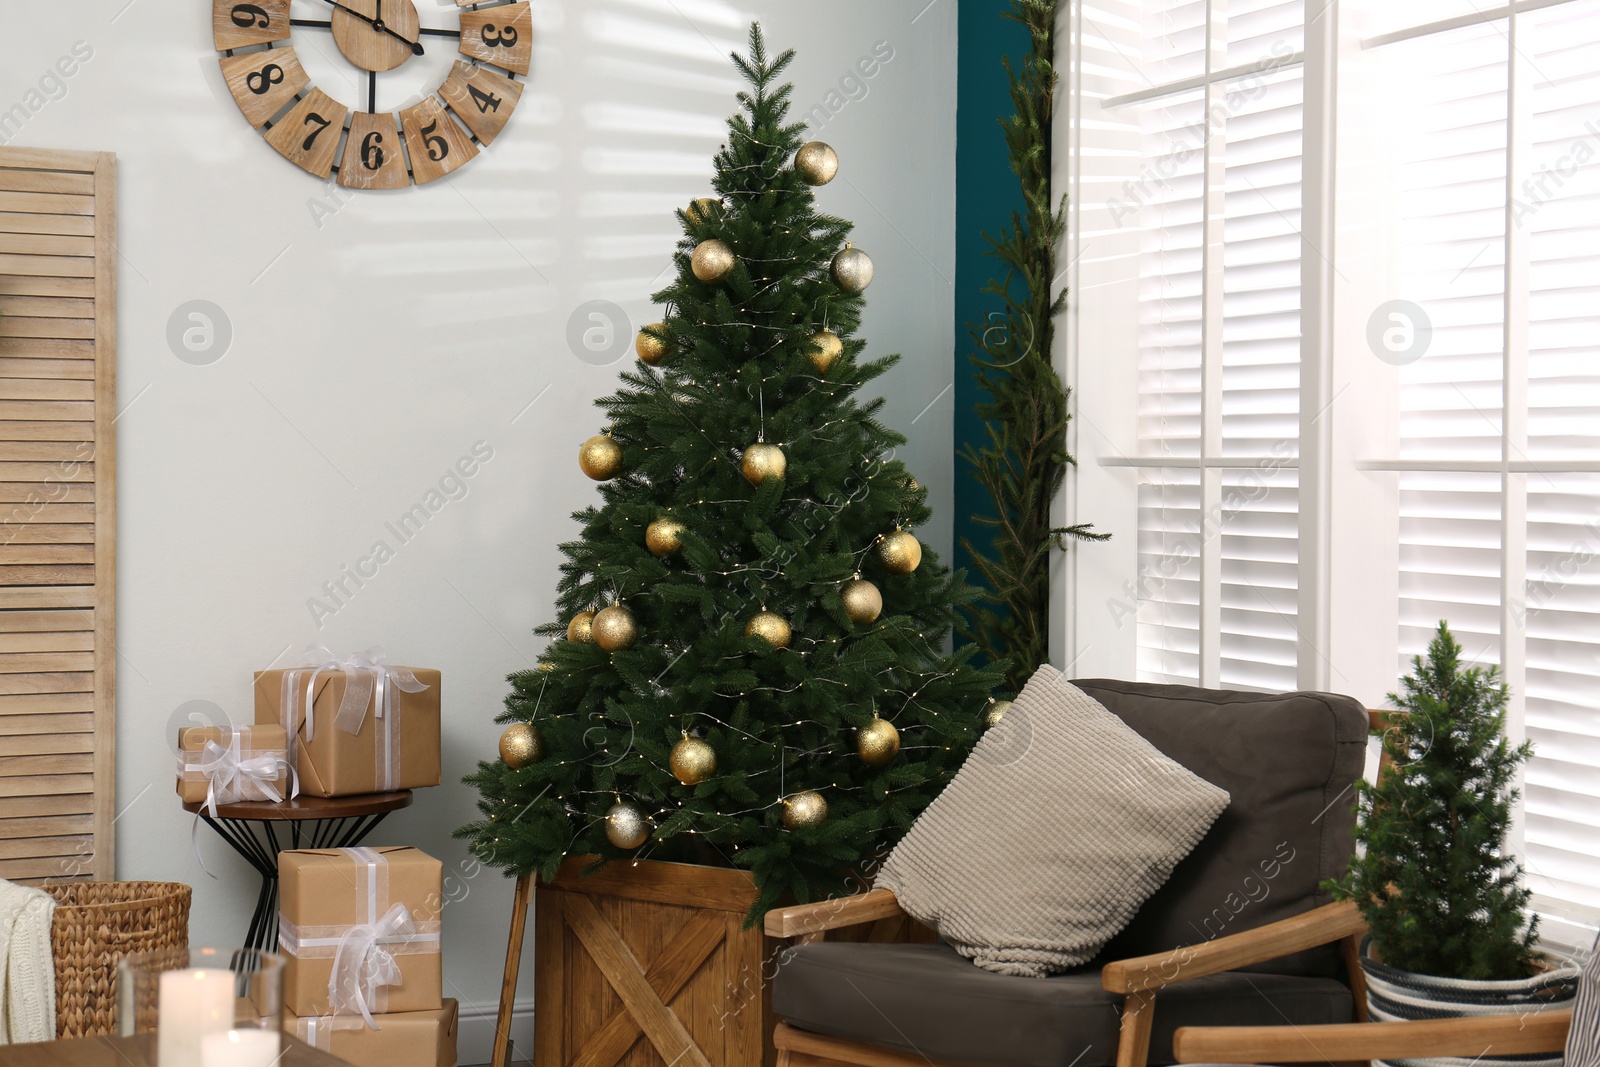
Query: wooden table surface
x=303 y=808
x=135 y=1052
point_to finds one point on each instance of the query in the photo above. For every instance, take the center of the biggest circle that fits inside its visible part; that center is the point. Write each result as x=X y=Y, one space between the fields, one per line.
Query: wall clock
x=370 y=149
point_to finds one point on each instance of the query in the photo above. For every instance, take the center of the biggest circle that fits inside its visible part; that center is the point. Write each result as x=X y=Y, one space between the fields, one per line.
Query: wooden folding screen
x=58 y=260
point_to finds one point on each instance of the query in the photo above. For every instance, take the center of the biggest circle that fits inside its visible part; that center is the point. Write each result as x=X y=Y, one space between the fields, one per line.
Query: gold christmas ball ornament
x=816 y=162
x=761 y=462
x=626 y=825
x=900 y=552
x=650 y=347
x=693 y=760
x=711 y=260
x=615 y=629
x=521 y=745
x=852 y=270
x=600 y=457
x=826 y=350
x=862 y=601
x=804 y=809
x=581 y=628
x=702 y=209
x=878 y=742
x=997 y=711
x=770 y=627
x=664 y=537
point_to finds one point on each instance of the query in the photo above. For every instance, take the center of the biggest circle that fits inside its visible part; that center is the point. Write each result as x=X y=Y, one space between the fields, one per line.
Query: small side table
x=138 y=1052
x=251 y=828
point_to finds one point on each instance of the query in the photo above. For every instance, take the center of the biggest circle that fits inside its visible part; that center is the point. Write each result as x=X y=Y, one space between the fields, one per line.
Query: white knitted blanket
x=27 y=969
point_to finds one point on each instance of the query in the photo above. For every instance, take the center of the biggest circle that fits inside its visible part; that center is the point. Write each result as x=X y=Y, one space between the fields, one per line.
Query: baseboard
x=475 y=1034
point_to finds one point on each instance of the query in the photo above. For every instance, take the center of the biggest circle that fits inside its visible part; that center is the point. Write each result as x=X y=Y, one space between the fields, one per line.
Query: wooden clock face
x=371 y=149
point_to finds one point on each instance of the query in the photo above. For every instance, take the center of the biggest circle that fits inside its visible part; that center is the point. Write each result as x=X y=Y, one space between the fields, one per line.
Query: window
x=1338 y=364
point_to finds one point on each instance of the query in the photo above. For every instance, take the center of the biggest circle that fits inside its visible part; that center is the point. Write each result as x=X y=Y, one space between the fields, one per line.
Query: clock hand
x=377 y=24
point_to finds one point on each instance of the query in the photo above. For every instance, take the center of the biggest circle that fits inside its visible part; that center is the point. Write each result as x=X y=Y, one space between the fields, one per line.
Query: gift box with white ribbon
x=359 y=931
x=402 y=1039
x=230 y=764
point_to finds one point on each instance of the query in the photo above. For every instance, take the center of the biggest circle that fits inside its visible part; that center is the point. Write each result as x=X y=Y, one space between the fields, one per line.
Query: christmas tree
x=1437 y=886
x=751 y=666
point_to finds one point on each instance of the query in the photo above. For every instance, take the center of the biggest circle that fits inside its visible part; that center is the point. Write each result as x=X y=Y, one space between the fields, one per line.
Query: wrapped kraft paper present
x=355 y=725
x=359 y=931
x=402 y=1039
x=230 y=764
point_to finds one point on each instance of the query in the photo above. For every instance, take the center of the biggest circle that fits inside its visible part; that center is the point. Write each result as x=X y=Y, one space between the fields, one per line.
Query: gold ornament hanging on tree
x=862 y=601
x=649 y=346
x=761 y=462
x=626 y=825
x=900 y=552
x=826 y=350
x=770 y=627
x=712 y=260
x=804 y=809
x=997 y=711
x=600 y=457
x=878 y=742
x=852 y=270
x=816 y=162
x=701 y=209
x=581 y=628
x=615 y=628
x=693 y=760
x=521 y=745
x=664 y=537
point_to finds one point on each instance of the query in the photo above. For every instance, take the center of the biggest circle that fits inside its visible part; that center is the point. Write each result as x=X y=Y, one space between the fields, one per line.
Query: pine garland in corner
x=1025 y=460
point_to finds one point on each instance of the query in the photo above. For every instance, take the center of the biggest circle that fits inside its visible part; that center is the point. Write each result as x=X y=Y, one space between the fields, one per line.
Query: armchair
x=1240 y=934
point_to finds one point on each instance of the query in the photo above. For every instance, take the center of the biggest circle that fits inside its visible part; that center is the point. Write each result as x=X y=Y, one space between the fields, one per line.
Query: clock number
x=486 y=102
x=371 y=152
x=311 y=138
x=264 y=79
x=247 y=15
x=503 y=38
x=438 y=147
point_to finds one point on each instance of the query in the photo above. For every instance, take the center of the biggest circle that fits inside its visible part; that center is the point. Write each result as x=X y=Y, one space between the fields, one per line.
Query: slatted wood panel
x=57 y=513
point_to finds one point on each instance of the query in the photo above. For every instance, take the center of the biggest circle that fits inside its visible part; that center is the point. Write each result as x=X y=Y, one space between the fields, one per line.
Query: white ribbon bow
x=232 y=778
x=367 y=680
x=362 y=963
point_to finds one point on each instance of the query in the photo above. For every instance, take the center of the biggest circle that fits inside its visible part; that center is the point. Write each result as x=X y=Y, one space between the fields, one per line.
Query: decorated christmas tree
x=750 y=665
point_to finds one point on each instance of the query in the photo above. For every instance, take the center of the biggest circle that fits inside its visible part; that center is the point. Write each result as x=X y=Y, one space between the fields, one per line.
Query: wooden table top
x=137 y=1052
x=304 y=807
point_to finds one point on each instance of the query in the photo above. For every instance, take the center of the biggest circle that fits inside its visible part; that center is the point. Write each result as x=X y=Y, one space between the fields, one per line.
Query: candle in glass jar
x=239 y=1048
x=193 y=1003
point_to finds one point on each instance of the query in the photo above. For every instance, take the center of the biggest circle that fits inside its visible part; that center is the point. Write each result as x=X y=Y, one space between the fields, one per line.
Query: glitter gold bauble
x=761 y=462
x=900 y=552
x=862 y=601
x=826 y=350
x=711 y=260
x=816 y=162
x=693 y=761
x=600 y=457
x=581 y=628
x=521 y=745
x=614 y=628
x=997 y=711
x=804 y=809
x=702 y=209
x=626 y=825
x=878 y=742
x=770 y=627
x=664 y=537
x=852 y=270
x=649 y=346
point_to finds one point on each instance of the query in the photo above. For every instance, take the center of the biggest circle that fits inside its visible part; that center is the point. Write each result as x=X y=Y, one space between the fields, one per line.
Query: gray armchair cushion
x=929 y=1001
x=1290 y=762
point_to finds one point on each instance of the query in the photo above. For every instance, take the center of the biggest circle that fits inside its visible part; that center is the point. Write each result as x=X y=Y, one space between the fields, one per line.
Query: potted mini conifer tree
x=1442 y=895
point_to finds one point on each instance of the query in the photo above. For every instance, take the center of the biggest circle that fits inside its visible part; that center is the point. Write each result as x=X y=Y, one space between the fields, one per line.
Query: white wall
x=377 y=337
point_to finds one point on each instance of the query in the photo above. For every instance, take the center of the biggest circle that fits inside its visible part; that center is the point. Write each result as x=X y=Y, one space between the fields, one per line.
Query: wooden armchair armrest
x=1492 y=1035
x=802 y=919
x=1319 y=926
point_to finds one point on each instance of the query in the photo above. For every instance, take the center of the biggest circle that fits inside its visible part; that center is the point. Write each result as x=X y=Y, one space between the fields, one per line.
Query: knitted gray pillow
x=1059 y=825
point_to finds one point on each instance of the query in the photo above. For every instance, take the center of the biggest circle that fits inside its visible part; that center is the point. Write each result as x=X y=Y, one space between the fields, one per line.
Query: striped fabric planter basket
x=1394 y=995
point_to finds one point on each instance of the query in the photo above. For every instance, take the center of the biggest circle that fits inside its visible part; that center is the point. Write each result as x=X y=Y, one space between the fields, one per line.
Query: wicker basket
x=96 y=925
